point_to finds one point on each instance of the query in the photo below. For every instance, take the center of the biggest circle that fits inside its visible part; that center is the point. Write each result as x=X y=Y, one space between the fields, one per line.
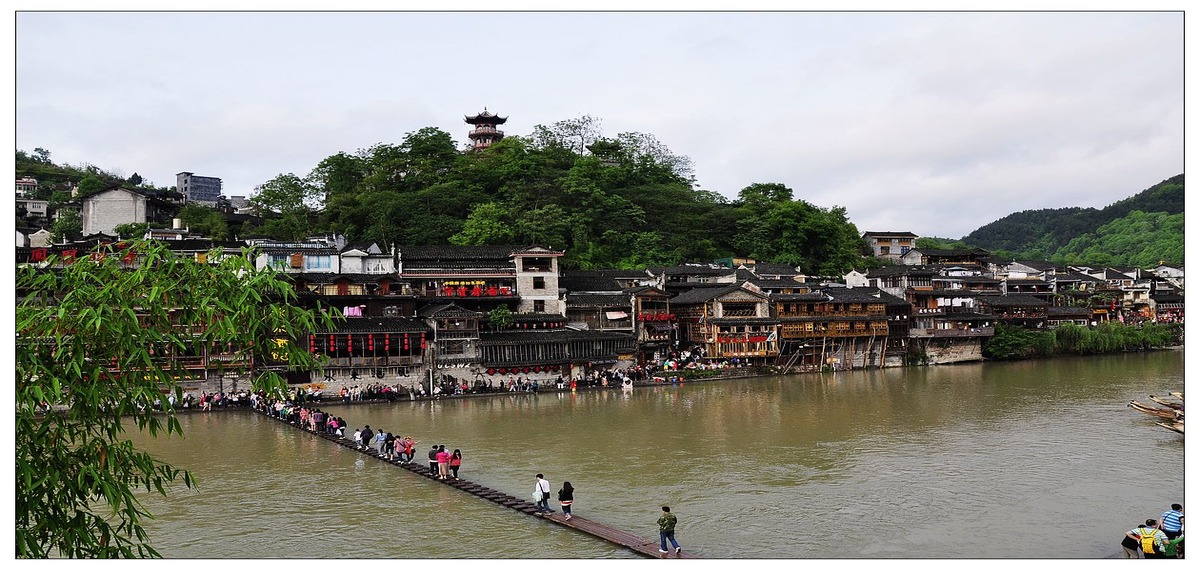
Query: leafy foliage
x=1073 y=234
x=92 y=342
x=68 y=227
x=1013 y=343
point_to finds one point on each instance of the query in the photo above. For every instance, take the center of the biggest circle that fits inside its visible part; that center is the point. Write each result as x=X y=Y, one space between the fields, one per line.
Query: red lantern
x=39 y=254
x=491 y=371
x=422 y=341
x=350 y=343
x=504 y=371
x=312 y=343
x=405 y=341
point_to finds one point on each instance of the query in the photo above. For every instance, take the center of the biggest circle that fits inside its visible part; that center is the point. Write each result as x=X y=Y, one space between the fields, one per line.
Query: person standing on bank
x=666 y=531
x=1171 y=522
x=542 y=487
x=1131 y=545
x=566 y=496
x=1151 y=539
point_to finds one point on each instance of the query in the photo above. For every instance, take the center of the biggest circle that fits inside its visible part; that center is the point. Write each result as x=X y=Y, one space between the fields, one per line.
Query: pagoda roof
x=485 y=117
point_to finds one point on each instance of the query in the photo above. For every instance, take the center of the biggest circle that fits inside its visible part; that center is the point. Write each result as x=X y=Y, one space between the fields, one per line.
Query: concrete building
x=105 y=210
x=200 y=189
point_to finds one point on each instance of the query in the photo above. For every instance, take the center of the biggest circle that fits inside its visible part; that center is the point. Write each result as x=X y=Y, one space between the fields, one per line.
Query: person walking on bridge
x=666 y=531
x=542 y=487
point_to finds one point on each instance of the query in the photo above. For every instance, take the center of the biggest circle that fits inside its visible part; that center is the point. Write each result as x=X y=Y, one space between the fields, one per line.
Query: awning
x=614 y=315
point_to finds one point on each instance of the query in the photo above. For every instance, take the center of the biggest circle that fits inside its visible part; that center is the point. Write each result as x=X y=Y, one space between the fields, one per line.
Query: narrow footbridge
x=641 y=545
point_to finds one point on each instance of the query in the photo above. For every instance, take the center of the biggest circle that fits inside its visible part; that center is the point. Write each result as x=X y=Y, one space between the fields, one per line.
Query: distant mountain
x=1099 y=236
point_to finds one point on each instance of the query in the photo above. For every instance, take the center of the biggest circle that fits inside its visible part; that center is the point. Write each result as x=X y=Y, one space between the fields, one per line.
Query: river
x=1032 y=459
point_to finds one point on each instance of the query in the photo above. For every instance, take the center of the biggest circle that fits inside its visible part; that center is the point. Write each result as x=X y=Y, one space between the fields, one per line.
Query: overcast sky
x=935 y=123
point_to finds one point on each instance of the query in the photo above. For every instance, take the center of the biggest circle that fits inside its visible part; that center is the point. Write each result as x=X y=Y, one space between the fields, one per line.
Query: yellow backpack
x=1148 y=540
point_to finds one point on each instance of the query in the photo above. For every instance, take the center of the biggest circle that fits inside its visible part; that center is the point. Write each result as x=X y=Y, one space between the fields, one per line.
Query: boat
x=1167 y=403
x=1164 y=413
x=1173 y=426
x=1178 y=395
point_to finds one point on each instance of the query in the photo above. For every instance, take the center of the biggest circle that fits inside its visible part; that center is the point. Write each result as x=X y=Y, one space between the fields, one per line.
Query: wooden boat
x=1178 y=395
x=1173 y=426
x=1167 y=403
x=1164 y=413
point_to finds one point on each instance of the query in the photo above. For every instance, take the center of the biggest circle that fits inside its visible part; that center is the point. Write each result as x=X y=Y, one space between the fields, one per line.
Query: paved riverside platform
x=641 y=545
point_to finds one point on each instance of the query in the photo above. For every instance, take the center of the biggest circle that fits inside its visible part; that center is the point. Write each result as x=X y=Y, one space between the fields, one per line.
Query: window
x=539 y=306
x=277 y=261
x=317 y=262
x=539 y=282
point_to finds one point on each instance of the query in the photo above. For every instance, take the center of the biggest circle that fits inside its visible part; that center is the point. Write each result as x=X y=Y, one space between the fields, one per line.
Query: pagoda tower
x=485 y=132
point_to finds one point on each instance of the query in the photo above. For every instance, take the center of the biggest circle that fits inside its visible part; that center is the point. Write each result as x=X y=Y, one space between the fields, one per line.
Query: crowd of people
x=1156 y=538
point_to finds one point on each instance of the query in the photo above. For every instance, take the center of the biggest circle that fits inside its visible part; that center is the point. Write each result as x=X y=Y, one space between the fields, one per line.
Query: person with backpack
x=1131 y=545
x=1151 y=541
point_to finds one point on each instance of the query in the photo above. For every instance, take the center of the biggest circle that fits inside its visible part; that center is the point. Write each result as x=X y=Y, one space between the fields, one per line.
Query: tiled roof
x=702 y=294
x=764 y=268
x=856 y=294
x=587 y=281
x=447 y=310
x=697 y=270
x=779 y=284
x=502 y=253
x=579 y=300
x=890 y=234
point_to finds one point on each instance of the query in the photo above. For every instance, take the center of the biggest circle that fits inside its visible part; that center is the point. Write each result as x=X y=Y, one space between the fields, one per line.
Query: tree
x=500 y=318
x=294 y=199
x=131 y=230
x=90 y=184
x=93 y=349
x=42 y=155
x=67 y=227
x=135 y=179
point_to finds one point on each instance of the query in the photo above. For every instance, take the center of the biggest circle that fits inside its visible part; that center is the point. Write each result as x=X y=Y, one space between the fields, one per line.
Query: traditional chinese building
x=485 y=132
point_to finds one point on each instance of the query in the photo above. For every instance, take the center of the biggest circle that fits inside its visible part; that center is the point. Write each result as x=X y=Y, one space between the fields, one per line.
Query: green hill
x=1146 y=227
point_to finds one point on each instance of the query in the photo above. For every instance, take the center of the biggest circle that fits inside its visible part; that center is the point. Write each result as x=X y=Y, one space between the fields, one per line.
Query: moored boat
x=1164 y=413
x=1173 y=426
x=1167 y=403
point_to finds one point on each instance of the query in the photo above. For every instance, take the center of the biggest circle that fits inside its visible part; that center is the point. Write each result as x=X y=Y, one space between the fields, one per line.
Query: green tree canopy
x=94 y=341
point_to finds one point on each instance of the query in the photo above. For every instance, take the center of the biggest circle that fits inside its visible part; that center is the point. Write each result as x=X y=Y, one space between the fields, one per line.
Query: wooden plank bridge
x=641 y=545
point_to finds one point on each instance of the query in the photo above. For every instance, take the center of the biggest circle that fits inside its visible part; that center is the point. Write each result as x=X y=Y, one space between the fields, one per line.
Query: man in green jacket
x=666 y=531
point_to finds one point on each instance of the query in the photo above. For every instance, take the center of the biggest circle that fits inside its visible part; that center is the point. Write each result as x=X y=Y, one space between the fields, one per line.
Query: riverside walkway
x=641 y=545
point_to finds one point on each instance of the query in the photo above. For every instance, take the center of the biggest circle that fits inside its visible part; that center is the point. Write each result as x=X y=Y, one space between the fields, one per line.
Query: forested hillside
x=622 y=202
x=1137 y=231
